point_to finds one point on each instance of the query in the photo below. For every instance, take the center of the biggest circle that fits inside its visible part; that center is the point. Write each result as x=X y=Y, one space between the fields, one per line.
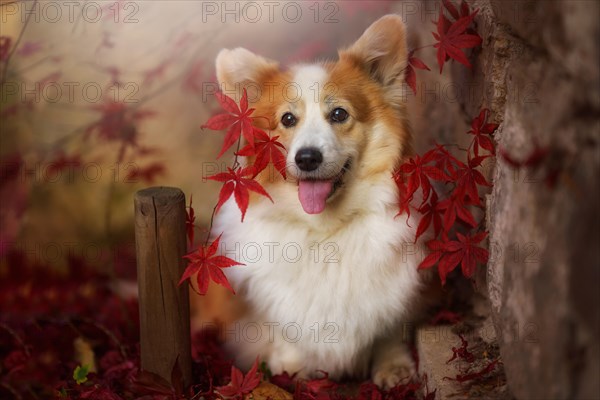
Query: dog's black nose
x=308 y=159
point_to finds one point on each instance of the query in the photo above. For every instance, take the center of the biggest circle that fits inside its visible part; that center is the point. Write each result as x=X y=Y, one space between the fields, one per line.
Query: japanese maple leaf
x=237 y=120
x=241 y=384
x=207 y=265
x=237 y=184
x=418 y=175
x=411 y=76
x=431 y=212
x=465 y=252
x=267 y=149
x=190 y=218
x=321 y=385
x=437 y=251
x=451 y=8
x=444 y=160
x=464 y=9
x=454 y=207
x=481 y=129
x=449 y=254
x=468 y=178
x=452 y=38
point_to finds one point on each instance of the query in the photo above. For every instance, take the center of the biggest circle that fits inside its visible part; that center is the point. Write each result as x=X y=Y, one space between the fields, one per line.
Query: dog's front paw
x=392 y=371
x=286 y=359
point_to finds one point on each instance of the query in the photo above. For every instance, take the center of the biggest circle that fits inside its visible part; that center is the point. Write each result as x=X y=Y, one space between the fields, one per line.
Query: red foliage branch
x=237 y=181
x=456 y=233
x=451 y=39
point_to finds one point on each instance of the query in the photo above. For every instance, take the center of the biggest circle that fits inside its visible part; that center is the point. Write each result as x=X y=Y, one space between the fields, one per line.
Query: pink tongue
x=313 y=194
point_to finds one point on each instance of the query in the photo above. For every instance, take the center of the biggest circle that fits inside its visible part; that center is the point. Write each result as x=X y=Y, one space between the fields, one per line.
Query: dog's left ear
x=240 y=69
x=382 y=50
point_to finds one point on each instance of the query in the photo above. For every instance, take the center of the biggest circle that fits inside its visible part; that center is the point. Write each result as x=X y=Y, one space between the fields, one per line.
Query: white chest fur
x=320 y=292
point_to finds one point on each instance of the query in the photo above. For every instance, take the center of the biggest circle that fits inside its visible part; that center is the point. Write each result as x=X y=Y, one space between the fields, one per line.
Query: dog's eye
x=288 y=120
x=338 y=115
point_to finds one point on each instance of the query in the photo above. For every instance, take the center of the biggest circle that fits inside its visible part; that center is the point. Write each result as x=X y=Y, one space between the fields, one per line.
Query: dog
x=330 y=277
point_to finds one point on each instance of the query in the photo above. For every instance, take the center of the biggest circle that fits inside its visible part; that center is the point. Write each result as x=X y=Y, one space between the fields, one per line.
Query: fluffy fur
x=329 y=291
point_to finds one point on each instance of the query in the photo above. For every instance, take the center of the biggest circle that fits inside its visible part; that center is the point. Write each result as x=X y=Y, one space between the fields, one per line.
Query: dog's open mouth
x=314 y=193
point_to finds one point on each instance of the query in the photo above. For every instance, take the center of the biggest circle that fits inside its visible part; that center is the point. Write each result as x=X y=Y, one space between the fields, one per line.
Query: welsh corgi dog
x=330 y=276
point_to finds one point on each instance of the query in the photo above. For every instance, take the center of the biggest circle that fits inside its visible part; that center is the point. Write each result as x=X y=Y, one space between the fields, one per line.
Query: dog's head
x=341 y=122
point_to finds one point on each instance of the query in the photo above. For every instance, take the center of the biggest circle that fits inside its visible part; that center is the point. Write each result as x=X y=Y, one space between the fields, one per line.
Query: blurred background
x=102 y=98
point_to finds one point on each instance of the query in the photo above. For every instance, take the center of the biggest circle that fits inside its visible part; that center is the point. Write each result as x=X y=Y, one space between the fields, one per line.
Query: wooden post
x=160 y=243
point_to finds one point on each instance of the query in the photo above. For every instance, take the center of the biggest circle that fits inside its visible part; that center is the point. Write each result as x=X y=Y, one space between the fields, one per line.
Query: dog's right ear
x=240 y=69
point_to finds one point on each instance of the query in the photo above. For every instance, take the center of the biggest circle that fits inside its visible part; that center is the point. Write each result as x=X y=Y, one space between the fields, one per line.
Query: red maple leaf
x=208 y=266
x=450 y=254
x=451 y=9
x=465 y=252
x=236 y=183
x=190 y=218
x=237 y=120
x=444 y=160
x=418 y=175
x=468 y=177
x=480 y=128
x=452 y=38
x=266 y=149
x=411 y=76
x=437 y=251
x=454 y=207
x=321 y=385
x=431 y=212
x=241 y=384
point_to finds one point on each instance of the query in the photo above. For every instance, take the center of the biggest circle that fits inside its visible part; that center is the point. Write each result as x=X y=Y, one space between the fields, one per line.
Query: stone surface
x=435 y=348
x=538 y=72
x=543 y=271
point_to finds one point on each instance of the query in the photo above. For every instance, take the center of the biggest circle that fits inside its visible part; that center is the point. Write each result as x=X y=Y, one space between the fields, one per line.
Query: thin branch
x=5 y=72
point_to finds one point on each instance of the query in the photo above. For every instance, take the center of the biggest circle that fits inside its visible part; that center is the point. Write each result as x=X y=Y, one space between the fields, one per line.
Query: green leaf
x=80 y=374
x=264 y=368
